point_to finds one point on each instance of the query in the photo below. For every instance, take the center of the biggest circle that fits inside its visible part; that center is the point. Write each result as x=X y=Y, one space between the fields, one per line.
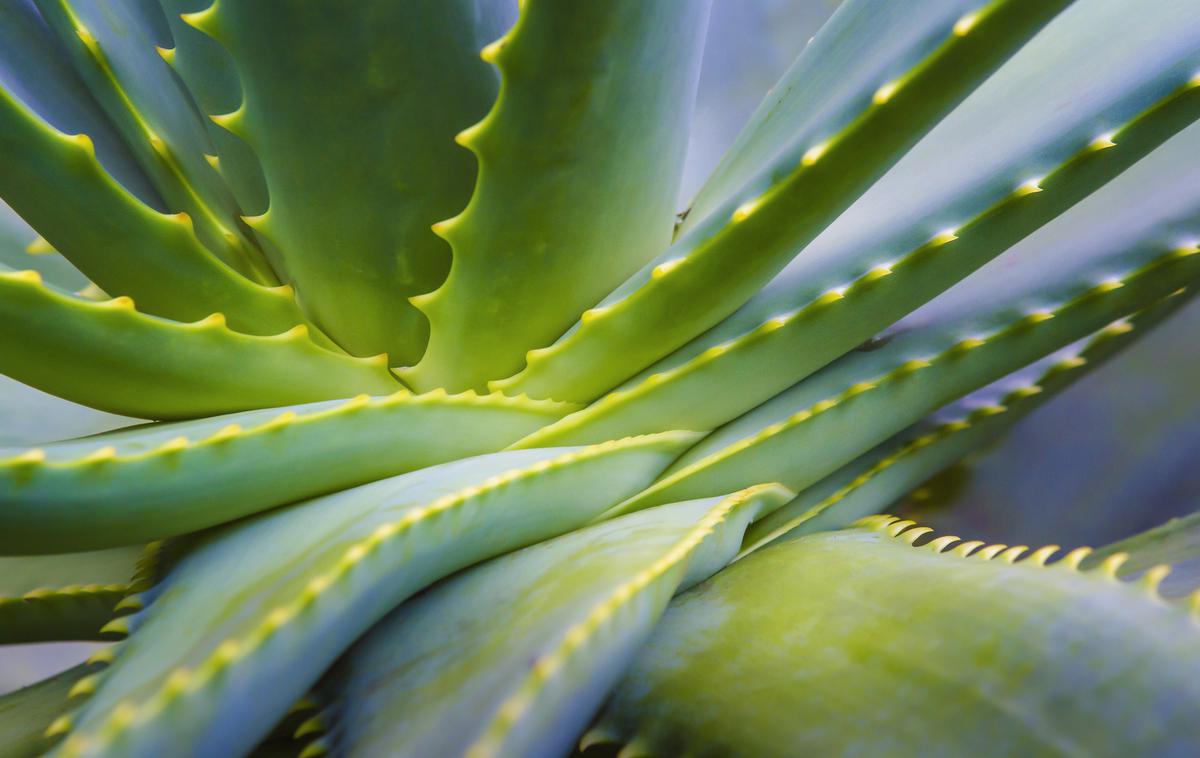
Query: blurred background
x=1113 y=455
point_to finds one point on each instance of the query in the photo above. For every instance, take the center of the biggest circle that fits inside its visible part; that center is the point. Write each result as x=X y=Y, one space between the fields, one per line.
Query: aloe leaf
x=717 y=266
x=881 y=476
x=168 y=479
x=579 y=166
x=351 y=226
x=212 y=79
x=1015 y=155
x=56 y=184
x=1103 y=260
x=450 y=673
x=62 y=597
x=22 y=249
x=111 y=357
x=212 y=662
x=864 y=43
x=26 y=713
x=35 y=68
x=112 y=46
x=854 y=642
x=1177 y=542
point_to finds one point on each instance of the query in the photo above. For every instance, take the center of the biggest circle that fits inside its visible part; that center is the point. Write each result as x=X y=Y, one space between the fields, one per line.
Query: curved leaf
x=973 y=174
x=168 y=479
x=1104 y=260
x=36 y=69
x=856 y=643
x=450 y=673
x=111 y=357
x=26 y=713
x=1176 y=542
x=214 y=661
x=881 y=476
x=580 y=161
x=716 y=267
x=62 y=597
x=127 y=248
x=111 y=43
x=351 y=109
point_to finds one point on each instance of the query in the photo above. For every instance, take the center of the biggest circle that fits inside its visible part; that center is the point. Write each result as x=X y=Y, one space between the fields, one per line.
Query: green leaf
x=973 y=174
x=111 y=357
x=22 y=249
x=580 y=162
x=62 y=597
x=882 y=475
x=717 y=266
x=514 y=656
x=215 y=660
x=26 y=713
x=212 y=79
x=1105 y=259
x=351 y=109
x=35 y=68
x=856 y=643
x=1176 y=542
x=168 y=479
x=111 y=44
x=56 y=184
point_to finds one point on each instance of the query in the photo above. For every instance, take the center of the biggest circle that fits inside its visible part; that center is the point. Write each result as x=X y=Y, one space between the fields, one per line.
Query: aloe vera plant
x=443 y=434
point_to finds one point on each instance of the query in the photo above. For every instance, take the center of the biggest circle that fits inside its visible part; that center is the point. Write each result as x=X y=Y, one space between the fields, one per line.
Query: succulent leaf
x=36 y=69
x=1102 y=261
x=27 y=713
x=450 y=674
x=164 y=480
x=112 y=357
x=112 y=47
x=56 y=184
x=579 y=165
x=1175 y=543
x=312 y=577
x=879 y=477
x=857 y=642
x=717 y=266
x=62 y=597
x=1015 y=155
x=357 y=174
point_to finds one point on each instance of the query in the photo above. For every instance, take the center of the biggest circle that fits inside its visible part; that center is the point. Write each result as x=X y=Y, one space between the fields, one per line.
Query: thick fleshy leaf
x=1068 y=474
x=863 y=45
x=351 y=109
x=21 y=249
x=579 y=166
x=55 y=183
x=168 y=479
x=62 y=597
x=450 y=673
x=249 y=619
x=717 y=266
x=212 y=79
x=111 y=44
x=36 y=69
x=26 y=713
x=1016 y=154
x=1105 y=259
x=109 y=356
x=855 y=642
x=881 y=476
x=1176 y=543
